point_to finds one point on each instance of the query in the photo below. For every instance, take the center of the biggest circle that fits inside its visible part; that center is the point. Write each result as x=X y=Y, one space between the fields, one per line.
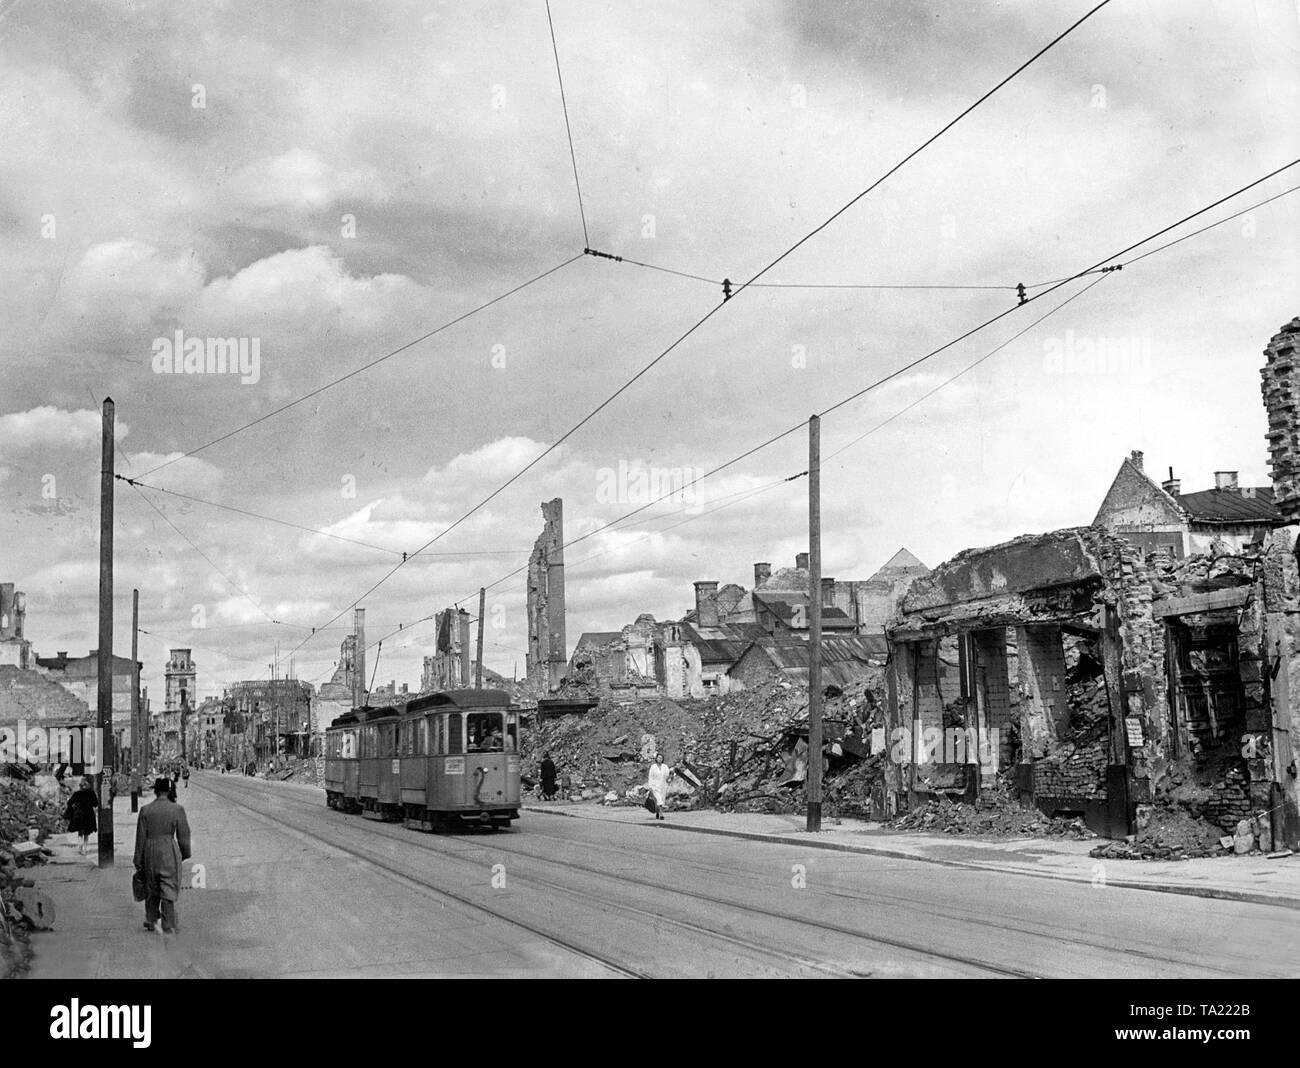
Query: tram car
x=435 y=761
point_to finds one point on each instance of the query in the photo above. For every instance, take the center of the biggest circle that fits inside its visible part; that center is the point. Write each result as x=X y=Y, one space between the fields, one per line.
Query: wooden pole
x=814 y=625
x=104 y=665
x=136 y=732
x=478 y=667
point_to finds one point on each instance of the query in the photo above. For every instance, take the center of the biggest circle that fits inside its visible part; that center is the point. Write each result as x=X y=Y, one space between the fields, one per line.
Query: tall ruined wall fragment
x=546 y=658
x=1281 y=389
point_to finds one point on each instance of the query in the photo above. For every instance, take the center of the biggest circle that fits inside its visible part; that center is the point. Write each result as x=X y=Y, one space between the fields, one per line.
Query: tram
x=438 y=760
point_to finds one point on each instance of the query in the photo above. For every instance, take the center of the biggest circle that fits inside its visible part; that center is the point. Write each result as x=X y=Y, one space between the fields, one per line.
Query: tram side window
x=485 y=732
x=455 y=733
x=422 y=737
x=512 y=733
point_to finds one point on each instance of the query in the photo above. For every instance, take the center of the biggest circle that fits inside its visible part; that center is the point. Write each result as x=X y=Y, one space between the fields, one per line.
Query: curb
x=1244 y=896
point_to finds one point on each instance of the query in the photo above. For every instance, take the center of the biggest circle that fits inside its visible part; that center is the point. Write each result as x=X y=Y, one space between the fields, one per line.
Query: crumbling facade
x=779 y=601
x=1104 y=682
x=15 y=649
x=450 y=667
x=1281 y=389
x=546 y=658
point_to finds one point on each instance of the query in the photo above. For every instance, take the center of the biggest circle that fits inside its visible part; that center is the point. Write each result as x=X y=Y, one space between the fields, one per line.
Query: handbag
x=650 y=803
x=138 y=890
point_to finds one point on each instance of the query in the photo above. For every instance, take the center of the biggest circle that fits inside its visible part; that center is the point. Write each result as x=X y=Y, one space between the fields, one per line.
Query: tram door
x=485 y=760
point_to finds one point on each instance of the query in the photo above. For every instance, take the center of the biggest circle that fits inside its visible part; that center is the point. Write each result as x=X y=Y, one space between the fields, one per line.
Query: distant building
x=15 y=649
x=845 y=660
x=79 y=675
x=1161 y=516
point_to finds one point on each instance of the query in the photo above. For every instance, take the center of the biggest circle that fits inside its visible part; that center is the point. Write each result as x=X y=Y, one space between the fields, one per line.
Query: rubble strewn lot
x=748 y=749
x=741 y=746
x=27 y=801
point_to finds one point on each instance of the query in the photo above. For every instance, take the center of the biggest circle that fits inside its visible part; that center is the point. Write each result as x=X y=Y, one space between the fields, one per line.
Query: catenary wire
x=717 y=307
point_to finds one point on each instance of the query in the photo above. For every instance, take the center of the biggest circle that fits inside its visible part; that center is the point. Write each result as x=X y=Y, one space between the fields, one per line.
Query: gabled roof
x=722 y=644
x=782 y=605
x=1249 y=505
x=845 y=658
x=1131 y=486
x=902 y=562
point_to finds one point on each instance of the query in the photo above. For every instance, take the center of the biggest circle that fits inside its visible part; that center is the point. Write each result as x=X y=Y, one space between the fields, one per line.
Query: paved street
x=294 y=889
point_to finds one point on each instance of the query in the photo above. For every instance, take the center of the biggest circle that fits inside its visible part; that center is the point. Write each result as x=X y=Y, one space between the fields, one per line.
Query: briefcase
x=138 y=890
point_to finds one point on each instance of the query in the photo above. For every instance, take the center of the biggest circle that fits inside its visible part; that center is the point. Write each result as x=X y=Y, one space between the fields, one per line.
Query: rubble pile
x=1204 y=571
x=1171 y=834
x=310 y=771
x=741 y=747
x=997 y=814
x=27 y=802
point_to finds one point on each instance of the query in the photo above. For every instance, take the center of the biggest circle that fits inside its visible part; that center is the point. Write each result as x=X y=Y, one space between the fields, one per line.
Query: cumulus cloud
x=46 y=427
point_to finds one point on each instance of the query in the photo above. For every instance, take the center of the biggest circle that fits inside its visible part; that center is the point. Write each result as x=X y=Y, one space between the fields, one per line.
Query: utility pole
x=814 y=624
x=478 y=668
x=136 y=733
x=104 y=665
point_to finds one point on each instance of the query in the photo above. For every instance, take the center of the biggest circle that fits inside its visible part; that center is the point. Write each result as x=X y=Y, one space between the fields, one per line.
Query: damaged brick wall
x=1281 y=389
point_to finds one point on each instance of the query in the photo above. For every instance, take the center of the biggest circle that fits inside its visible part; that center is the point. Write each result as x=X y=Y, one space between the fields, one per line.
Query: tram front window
x=484 y=730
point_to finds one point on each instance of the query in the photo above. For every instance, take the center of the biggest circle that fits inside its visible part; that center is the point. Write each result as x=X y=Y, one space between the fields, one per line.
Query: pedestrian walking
x=660 y=775
x=80 y=813
x=548 y=773
x=162 y=842
x=185 y=774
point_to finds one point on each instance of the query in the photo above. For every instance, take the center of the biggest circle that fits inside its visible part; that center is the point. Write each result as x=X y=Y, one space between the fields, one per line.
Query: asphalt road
x=295 y=889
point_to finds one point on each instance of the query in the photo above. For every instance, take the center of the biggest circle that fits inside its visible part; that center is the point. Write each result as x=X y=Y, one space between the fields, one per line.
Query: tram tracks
x=459 y=849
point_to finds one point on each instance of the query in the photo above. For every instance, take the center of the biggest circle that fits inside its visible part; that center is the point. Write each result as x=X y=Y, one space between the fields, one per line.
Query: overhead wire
x=364 y=367
x=717 y=307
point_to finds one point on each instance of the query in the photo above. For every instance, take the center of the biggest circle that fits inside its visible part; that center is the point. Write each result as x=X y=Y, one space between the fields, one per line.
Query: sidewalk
x=98 y=932
x=1253 y=879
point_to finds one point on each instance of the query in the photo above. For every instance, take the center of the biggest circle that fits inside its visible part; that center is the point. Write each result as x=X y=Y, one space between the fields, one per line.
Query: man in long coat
x=162 y=841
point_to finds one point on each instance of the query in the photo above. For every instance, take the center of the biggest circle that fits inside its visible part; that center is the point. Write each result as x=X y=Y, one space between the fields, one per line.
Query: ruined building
x=1117 y=672
x=450 y=667
x=779 y=600
x=1103 y=681
x=1152 y=517
x=546 y=659
x=15 y=649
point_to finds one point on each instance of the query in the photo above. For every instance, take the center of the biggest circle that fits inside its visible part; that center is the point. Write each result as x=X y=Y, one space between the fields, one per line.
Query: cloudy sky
x=333 y=179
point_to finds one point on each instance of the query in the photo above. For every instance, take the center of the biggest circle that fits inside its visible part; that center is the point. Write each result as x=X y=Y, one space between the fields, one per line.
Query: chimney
x=359 y=659
x=801 y=561
x=1171 y=485
x=762 y=572
x=1225 y=480
x=828 y=593
x=1136 y=458
x=706 y=608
